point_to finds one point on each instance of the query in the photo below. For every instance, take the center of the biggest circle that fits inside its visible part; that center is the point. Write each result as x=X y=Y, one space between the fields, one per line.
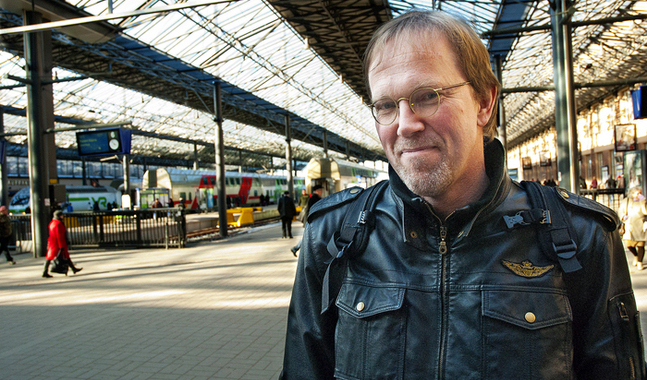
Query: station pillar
x=4 y=182
x=503 y=128
x=288 y=155
x=325 y=143
x=220 y=161
x=126 y=200
x=40 y=116
x=565 y=111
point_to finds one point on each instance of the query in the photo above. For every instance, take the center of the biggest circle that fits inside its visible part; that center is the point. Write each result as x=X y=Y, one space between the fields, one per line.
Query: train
x=336 y=175
x=198 y=188
x=79 y=198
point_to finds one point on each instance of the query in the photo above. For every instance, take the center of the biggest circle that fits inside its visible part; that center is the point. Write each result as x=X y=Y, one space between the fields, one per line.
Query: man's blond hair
x=472 y=57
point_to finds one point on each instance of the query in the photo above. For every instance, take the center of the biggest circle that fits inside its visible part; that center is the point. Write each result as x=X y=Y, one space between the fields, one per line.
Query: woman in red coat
x=57 y=242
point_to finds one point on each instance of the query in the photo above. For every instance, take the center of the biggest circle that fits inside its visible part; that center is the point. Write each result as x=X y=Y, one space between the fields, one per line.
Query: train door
x=245 y=186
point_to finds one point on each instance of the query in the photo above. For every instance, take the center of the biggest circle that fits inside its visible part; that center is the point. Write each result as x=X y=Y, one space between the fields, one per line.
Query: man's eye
x=384 y=105
x=426 y=96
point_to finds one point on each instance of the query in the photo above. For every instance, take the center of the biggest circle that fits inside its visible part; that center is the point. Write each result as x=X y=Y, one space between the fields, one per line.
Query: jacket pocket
x=370 y=332
x=527 y=334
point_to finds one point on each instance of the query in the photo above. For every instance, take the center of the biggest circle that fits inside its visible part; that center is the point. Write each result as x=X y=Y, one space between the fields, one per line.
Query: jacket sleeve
x=309 y=345
x=606 y=324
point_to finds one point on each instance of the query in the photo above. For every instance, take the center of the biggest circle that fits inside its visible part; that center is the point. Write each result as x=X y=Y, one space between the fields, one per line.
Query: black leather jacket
x=407 y=311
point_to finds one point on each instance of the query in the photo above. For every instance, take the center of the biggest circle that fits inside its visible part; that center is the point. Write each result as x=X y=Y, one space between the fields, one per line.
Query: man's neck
x=460 y=196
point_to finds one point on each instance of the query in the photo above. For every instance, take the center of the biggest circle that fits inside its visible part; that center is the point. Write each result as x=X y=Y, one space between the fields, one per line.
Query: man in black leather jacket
x=445 y=289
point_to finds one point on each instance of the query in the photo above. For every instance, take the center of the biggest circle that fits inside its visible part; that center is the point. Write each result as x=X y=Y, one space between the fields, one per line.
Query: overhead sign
x=103 y=142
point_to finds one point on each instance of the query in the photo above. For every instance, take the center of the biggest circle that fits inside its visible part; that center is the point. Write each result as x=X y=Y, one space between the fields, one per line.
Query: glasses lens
x=385 y=110
x=424 y=102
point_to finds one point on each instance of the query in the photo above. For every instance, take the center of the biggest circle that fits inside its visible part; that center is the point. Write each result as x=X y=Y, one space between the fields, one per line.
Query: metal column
x=502 y=123
x=288 y=155
x=565 y=111
x=220 y=161
x=126 y=166
x=325 y=143
x=40 y=112
x=4 y=183
x=84 y=172
x=195 y=155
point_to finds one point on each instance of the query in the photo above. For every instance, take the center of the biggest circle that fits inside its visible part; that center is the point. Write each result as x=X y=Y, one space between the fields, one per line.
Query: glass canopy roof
x=249 y=45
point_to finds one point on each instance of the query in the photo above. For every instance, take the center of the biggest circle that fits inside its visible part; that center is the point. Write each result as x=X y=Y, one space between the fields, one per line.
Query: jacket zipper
x=442 y=249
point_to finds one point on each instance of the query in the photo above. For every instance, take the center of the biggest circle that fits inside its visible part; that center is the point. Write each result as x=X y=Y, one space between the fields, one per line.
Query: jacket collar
x=464 y=217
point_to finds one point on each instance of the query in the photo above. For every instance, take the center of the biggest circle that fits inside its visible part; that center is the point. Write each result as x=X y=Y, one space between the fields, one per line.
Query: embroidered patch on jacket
x=526 y=268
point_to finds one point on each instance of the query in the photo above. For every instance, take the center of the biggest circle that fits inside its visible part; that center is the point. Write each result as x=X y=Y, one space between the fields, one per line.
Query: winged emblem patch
x=526 y=268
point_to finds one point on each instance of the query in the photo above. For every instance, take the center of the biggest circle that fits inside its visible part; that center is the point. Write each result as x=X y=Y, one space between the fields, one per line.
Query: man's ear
x=486 y=106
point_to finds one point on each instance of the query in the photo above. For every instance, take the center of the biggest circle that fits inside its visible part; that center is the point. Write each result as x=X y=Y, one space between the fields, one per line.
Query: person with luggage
x=57 y=245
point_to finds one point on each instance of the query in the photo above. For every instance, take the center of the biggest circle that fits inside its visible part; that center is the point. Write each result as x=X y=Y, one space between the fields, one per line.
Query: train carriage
x=198 y=188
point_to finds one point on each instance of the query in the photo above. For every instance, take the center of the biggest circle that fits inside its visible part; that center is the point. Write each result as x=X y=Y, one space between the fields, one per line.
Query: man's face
x=433 y=153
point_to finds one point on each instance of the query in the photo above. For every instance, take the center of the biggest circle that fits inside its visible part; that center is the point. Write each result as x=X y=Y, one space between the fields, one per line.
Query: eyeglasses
x=424 y=102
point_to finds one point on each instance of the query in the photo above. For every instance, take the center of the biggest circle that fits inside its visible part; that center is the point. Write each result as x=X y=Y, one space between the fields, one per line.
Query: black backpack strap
x=556 y=231
x=349 y=241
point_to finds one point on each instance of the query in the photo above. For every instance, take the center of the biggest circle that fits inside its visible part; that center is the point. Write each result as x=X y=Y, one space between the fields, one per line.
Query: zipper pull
x=443 y=242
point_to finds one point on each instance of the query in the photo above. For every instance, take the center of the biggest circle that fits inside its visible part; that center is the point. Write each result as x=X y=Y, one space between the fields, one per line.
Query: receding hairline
x=423 y=42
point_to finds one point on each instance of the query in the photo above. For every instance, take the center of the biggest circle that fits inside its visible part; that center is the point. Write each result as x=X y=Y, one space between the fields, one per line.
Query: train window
x=23 y=166
x=77 y=169
x=256 y=193
x=237 y=181
x=183 y=195
x=12 y=165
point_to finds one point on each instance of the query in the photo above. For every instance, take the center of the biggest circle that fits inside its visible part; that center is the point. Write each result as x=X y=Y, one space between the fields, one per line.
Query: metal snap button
x=530 y=317
x=360 y=306
x=564 y=193
x=354 y=190
x=414 y=234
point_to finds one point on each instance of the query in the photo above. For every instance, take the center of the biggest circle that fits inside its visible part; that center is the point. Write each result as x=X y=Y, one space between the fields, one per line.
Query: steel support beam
x=129 y=202
x=40 y=111
x=4 y=188
x=325 y=143
x=565 y=109
x=195 y=157
x=502 y=124
x=288 y=155
x=220 y=161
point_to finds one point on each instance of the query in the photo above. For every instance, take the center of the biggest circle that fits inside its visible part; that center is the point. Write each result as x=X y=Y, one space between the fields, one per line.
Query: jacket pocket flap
x=366 y=301
x=530 y=309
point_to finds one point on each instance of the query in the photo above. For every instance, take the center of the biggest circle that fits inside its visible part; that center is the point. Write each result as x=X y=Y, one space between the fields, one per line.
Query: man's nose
x=408 y=122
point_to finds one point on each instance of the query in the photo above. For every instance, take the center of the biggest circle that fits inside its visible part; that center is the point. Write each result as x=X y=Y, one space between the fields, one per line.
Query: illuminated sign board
x=103 y=142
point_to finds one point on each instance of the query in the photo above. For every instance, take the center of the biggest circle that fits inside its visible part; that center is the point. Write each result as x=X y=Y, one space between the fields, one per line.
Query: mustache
x=416 y=144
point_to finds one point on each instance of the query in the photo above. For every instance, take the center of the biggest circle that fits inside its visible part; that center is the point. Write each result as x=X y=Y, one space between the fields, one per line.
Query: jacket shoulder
x=334 y=201
x=601 y=213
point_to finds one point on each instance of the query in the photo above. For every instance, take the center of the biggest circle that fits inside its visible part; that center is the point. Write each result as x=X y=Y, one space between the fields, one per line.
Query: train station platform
x=214 y=310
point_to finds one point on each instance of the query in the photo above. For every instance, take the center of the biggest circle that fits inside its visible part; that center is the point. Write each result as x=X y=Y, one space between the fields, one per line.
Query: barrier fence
x=163 y=227
x=166 y=227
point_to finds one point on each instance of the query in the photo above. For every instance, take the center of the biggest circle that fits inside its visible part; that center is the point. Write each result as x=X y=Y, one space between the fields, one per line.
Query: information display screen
x=99 y=142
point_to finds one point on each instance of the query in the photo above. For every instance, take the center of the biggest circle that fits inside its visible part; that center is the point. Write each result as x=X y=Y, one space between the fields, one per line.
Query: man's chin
x=426 y=181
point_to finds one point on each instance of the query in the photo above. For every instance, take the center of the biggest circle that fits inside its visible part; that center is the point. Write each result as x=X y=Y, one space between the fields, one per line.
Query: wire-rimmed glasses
x=424 y=102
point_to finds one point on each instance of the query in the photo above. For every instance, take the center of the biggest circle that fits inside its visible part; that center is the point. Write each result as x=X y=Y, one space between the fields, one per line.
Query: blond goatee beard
x=426 y=180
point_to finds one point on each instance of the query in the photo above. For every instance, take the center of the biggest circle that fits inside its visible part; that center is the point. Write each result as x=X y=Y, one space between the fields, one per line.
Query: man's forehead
x=409 y=42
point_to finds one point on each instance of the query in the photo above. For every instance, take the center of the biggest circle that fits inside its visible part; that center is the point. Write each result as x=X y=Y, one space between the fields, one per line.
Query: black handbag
x=59 y=265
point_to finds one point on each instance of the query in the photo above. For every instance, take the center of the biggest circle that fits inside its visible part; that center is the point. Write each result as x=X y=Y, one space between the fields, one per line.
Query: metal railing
x=162 y=227
x=608 y=197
